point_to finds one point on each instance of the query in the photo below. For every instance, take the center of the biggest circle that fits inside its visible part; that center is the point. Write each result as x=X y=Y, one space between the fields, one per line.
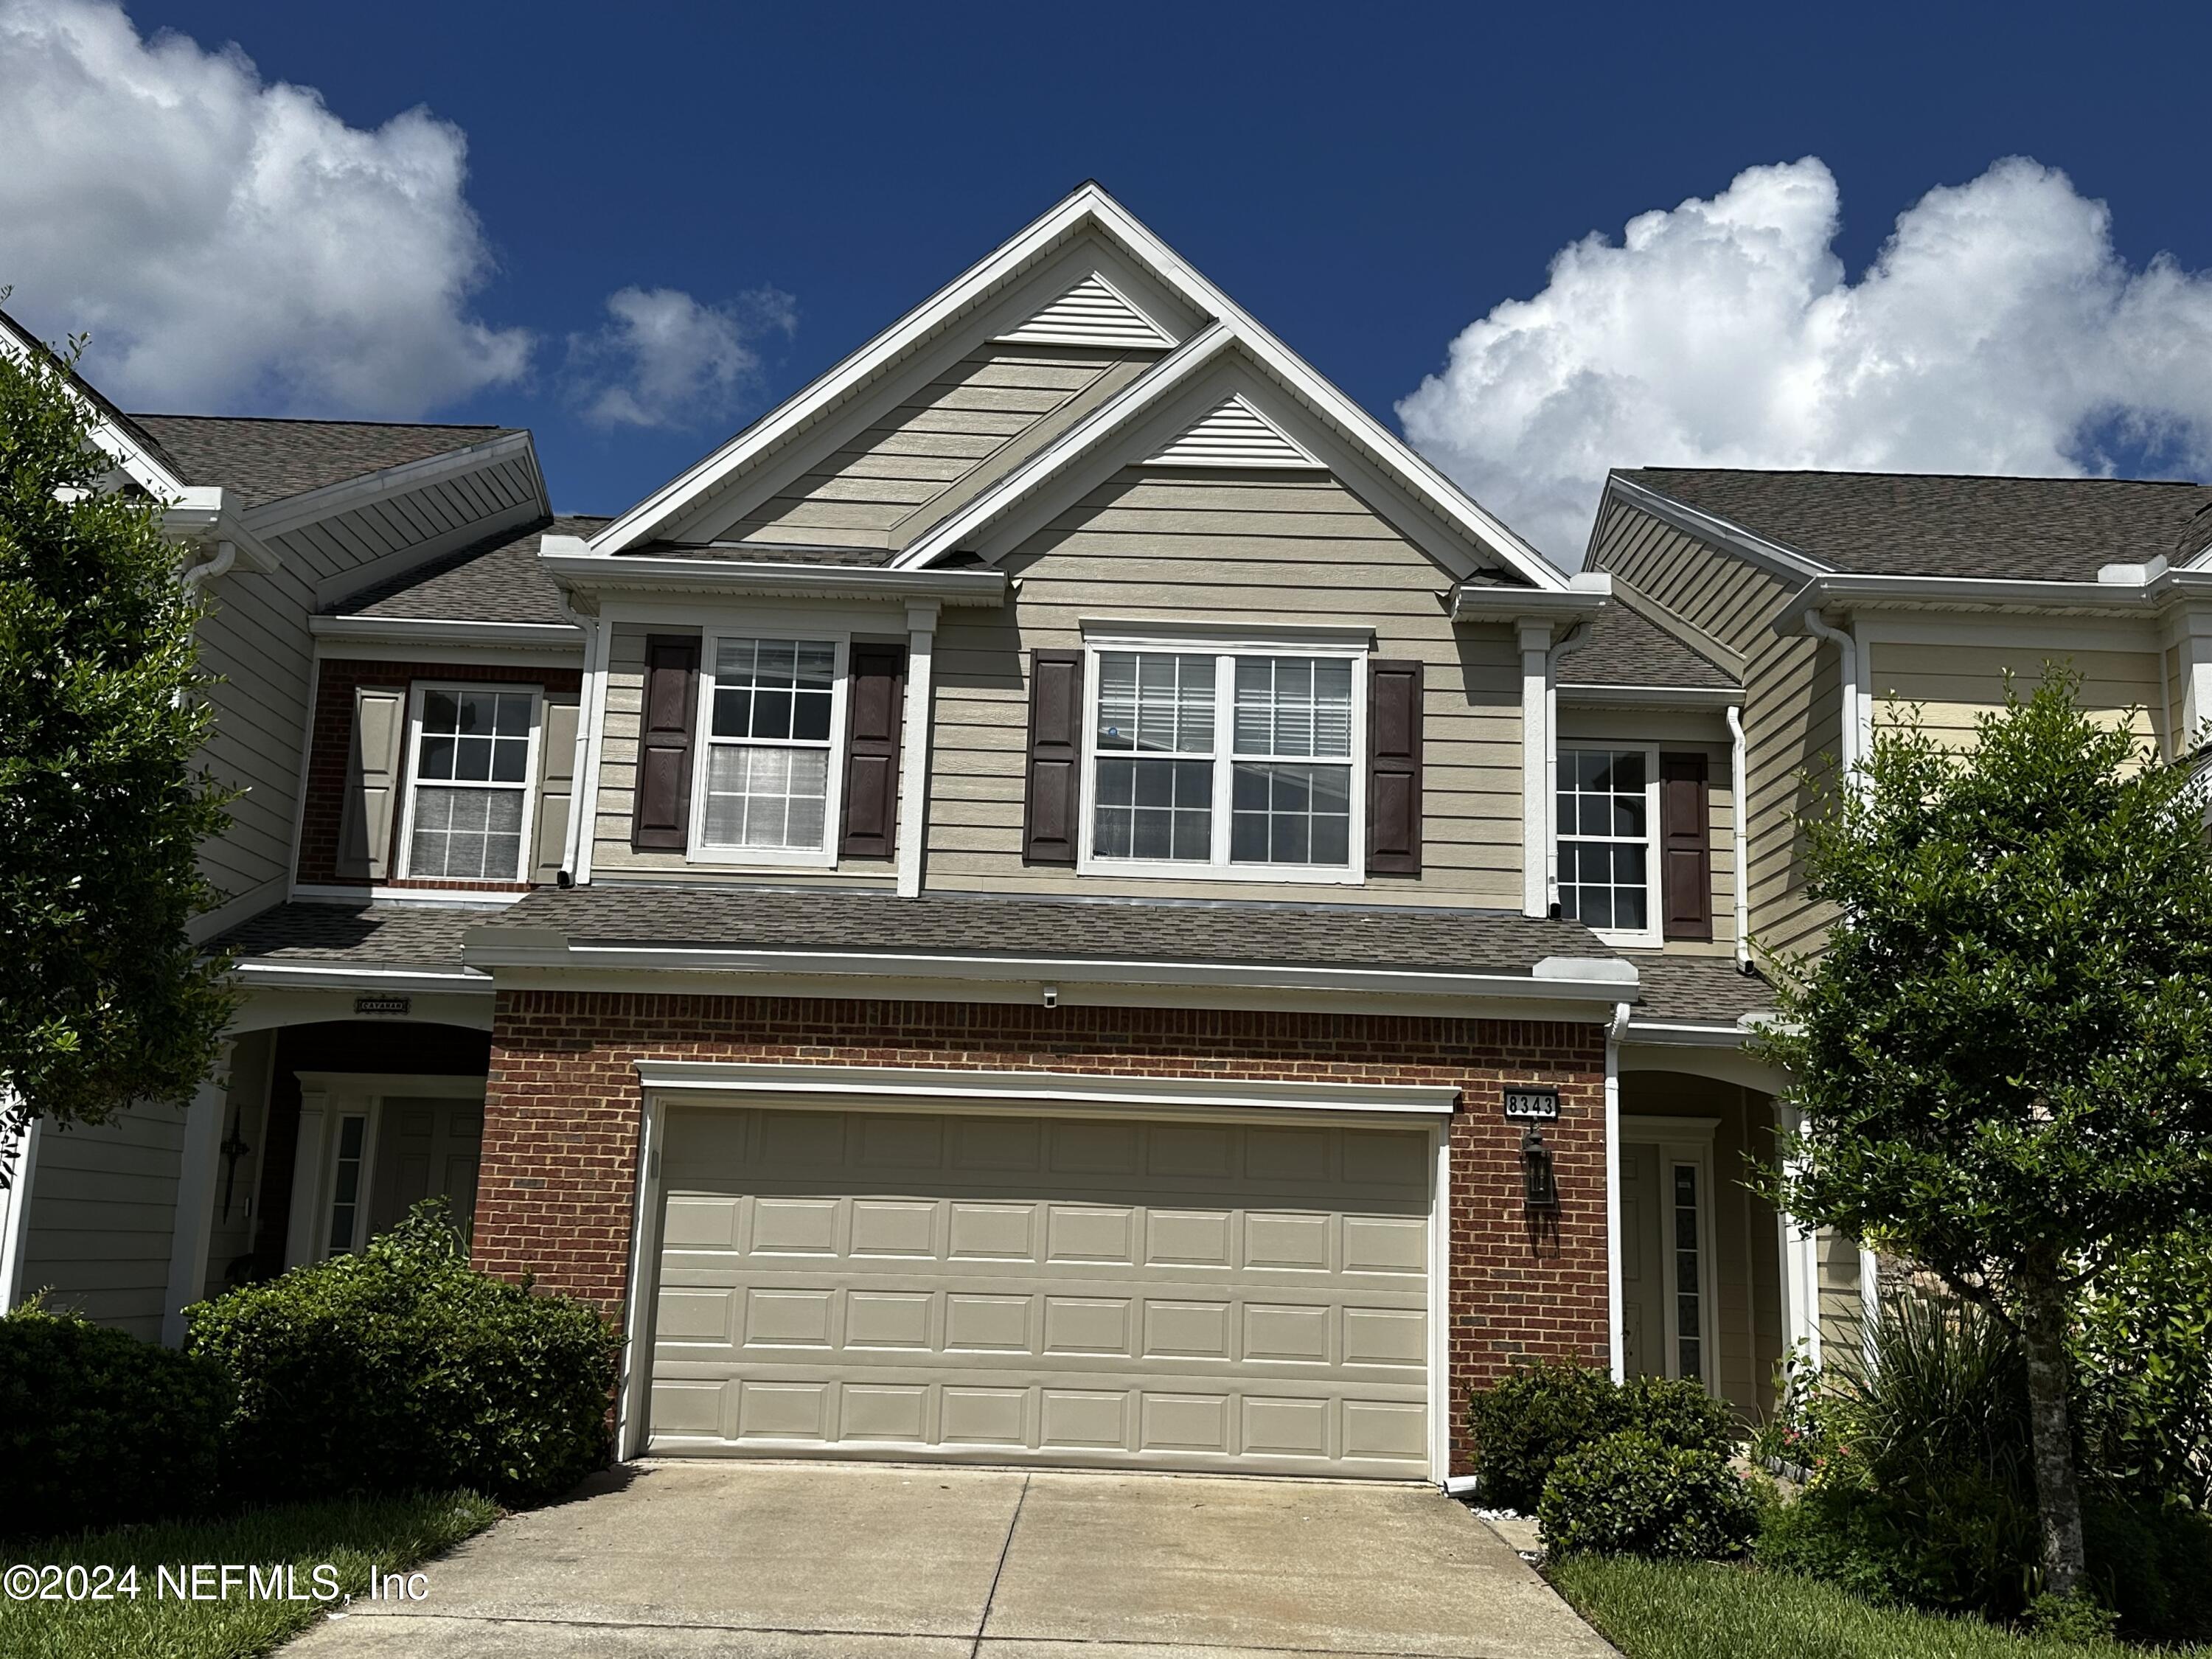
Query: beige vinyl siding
x=612 y=852
x=1843 y=1313
x=1950 y=684
x=254 y=641
x=944 y=437
x=103 y=1213
x=1171 y=544
x=1676 y=733
x=1793 y=701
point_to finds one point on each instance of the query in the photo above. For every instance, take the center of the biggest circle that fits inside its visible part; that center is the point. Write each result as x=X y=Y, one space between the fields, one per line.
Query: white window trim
x=1352 y=873
x=1652 y=935
x=528 y=788
x=833 y=805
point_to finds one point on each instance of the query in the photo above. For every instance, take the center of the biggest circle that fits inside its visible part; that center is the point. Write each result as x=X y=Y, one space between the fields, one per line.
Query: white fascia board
x=134 y=461
x=593 y=574
x=1173 y=370
x=1679 y=1035
x=206 y=513
x=564 y=637
x=343 y=975
x=1072 y=1089
x=1585 y=596
x=1770 y=555
x=494 y=947
x=291 y=512
x=1653 y=696
x=1847 y=592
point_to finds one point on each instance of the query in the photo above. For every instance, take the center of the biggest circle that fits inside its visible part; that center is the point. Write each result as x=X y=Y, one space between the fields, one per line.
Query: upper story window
x=1605 y=816
x=468 y=807
x=767 y=790
x=1236 y=764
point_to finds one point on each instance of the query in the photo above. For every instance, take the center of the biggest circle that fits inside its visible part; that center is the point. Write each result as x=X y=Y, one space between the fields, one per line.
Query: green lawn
x=387 y=1533
x=1702 y=1610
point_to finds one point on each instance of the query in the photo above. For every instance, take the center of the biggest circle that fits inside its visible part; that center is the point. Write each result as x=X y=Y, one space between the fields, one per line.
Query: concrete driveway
x=808 y=1561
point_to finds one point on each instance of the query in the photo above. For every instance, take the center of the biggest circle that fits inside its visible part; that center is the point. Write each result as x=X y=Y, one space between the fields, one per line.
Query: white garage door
x=1141 y=1294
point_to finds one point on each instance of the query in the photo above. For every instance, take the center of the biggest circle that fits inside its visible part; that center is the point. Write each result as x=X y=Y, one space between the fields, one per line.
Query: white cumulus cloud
x=664 y=359
x=1998 y=330
x=228 y=243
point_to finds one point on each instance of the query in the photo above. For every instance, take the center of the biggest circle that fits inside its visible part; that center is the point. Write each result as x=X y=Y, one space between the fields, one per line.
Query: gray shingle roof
x=403 y=936
x=1696 y=990
x=1623 y=649
x=1902 y=524
x=266 y=460
x=498 y=579
x=1299 y=935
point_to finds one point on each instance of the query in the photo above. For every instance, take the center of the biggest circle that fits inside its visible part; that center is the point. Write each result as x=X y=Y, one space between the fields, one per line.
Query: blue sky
x=1367 y=181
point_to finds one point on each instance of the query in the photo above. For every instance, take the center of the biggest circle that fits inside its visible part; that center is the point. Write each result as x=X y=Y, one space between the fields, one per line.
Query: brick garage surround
x=564 y=1108
x=330 y=753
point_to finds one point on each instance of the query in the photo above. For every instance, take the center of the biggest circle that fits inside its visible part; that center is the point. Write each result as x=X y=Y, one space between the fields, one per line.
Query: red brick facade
x=330 y=753
x=563 y=1110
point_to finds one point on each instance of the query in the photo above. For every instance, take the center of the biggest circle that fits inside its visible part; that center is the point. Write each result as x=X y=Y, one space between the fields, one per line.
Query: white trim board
x=1056 y=1092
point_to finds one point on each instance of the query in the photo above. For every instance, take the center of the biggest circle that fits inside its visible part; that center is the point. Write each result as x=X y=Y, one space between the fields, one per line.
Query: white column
x=1535 y=639
x=591 y=732
x=193 y=1220
x=1615 y=1309
x=914 y=747
x=16 y=1212
x=634 y=1398
x=306 y=1178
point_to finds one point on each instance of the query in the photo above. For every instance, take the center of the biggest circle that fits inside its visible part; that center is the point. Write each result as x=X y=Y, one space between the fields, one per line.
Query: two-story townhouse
x=1023 y=926
x=276 y=520
x=1840 y=600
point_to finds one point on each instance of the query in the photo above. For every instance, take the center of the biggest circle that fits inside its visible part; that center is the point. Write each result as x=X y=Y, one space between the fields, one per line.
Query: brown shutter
x=1055 y=777
x=875 y=704
x=1393 y=768
x=661 y=816
x=1686 y=854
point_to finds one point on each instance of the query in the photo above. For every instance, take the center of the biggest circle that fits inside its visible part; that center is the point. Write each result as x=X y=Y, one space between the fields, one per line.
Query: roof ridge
x=1863 y=472
x=329 y=419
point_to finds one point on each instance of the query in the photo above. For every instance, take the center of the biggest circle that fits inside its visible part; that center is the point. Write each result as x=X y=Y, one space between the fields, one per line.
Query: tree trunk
x=2057 y=1493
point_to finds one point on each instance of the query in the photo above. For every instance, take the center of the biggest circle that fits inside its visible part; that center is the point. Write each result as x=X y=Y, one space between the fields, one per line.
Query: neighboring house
x=1064 y=898
x=276 y=520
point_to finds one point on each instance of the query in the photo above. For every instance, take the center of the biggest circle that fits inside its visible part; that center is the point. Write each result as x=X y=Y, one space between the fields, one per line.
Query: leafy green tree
x=104 y=999
x=2003 y=1057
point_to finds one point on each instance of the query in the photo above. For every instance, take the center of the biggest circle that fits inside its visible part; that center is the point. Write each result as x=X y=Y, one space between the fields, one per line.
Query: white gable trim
x=1093 y=313
x=134 y=460
x=1089 y=205
x=1234 y=434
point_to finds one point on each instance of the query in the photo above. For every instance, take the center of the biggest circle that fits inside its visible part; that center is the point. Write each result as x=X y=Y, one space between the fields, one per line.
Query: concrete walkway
x=848 y=1561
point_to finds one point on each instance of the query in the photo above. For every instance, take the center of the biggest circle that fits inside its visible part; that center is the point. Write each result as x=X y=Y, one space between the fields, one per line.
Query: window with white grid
x=1605 y=838
x=1233 y=762
x=469 y=793
x=771 y=717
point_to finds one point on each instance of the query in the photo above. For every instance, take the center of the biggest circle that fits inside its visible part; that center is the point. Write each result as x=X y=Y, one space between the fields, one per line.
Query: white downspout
x=1616 y=1337
x=913 y=844
x=1851 y=713
x=226 y=555
x=1739 y=810
x=583 y=790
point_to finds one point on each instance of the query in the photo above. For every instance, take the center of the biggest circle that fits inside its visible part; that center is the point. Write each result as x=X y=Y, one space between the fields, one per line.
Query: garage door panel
x=912 y=1284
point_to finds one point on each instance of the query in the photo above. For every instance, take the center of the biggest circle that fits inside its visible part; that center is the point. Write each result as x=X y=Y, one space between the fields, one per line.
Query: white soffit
x=1234 y=435
x=1091 y=314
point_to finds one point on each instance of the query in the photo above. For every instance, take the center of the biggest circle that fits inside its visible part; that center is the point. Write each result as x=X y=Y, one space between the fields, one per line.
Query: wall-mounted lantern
x=1540 y=1184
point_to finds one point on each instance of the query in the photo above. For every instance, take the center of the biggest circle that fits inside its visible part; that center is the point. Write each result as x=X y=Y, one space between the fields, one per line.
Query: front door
x=1665 y=1300
x=427 y=1148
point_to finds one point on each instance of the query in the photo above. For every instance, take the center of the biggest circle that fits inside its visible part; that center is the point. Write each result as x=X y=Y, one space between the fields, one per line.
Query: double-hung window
x=1606 y=809
x=769 y=785
x=1226 y=763
x=468 y=804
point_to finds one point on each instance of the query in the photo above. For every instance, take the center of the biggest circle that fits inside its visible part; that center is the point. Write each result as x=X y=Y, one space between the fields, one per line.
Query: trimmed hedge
x=401 y=1370
x=98 y=1428
x=1524 y=1424
x=1632 y=1494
